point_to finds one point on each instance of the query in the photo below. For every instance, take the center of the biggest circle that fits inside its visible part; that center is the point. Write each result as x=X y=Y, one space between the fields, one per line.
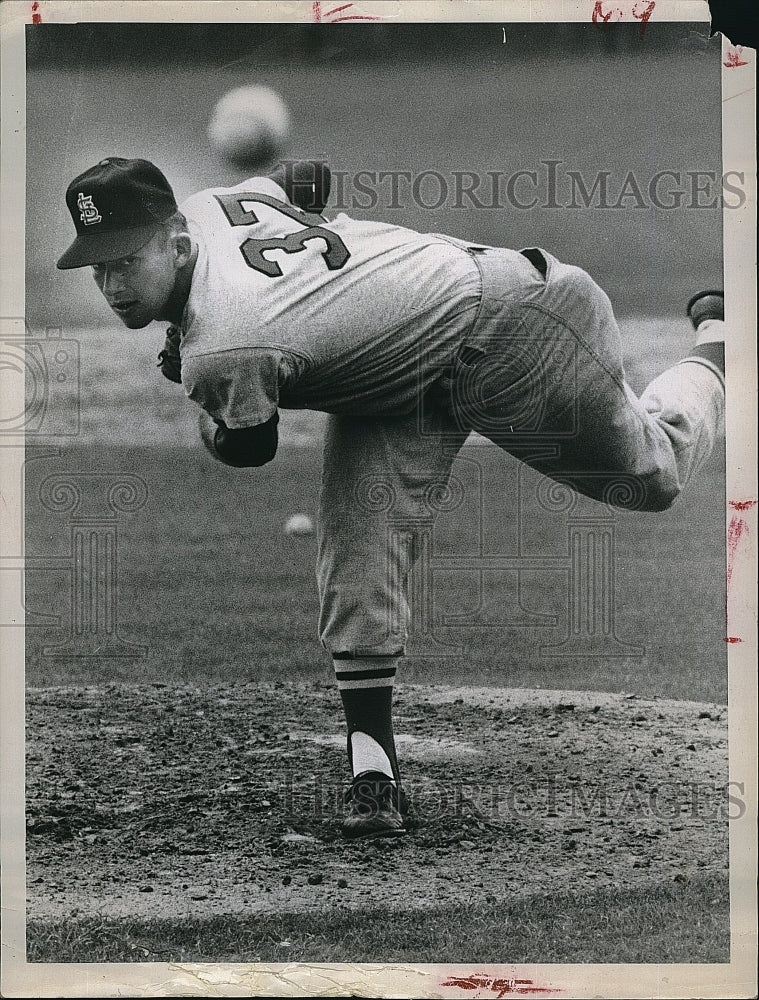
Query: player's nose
x=112 y=282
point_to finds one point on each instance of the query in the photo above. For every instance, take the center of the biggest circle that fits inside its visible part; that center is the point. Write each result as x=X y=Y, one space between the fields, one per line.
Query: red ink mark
x=734 y=59
x=735 y=531
x=36 y=17
x=348 y=17
x=500 y=987
x=319 y=16
x=742 y=504
x=645 y=17
x=603 y=20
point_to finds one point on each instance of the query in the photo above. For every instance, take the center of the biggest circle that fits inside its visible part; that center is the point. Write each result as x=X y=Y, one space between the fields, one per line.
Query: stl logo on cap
x=87 y=211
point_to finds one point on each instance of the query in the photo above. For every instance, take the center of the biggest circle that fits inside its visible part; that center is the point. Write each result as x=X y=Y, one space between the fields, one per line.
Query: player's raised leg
x=687 y=401
x=550 y=374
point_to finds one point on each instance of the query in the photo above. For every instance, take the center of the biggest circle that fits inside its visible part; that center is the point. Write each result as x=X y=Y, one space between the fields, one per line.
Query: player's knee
x=650 y=493
x=660 y=493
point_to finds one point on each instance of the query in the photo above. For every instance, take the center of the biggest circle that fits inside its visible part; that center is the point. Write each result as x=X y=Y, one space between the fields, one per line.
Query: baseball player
x=409 y=342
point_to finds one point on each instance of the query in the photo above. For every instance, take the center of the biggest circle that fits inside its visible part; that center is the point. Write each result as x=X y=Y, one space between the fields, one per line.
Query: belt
x=536 y=258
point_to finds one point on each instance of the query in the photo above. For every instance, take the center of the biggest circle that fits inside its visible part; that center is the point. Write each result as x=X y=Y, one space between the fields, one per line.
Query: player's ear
x=182 y=246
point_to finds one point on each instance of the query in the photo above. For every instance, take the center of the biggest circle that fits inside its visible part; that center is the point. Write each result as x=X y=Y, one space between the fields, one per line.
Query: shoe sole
x=374 y=835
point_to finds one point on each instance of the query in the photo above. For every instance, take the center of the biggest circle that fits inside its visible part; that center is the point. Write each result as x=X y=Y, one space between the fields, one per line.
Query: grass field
x=617 y=926
x=212 y=587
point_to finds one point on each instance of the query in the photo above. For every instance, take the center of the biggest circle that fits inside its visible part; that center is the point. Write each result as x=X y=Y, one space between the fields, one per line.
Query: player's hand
x=169 y=360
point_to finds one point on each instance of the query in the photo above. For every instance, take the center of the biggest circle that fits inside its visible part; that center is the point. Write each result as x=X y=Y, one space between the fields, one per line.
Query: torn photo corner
x=378 y=470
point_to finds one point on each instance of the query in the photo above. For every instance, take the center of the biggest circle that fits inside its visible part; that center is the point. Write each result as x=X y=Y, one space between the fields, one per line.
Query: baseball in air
x=299 y=526
x=249 y=126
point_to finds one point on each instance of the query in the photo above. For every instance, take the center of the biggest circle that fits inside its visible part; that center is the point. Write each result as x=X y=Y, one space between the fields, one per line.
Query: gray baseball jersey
x=289 y=309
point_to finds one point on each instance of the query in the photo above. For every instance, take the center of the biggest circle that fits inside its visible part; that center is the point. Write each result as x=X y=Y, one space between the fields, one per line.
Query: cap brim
x=99 y=248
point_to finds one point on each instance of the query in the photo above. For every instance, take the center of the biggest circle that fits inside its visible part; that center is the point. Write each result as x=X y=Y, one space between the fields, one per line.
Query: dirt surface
x=168 y=800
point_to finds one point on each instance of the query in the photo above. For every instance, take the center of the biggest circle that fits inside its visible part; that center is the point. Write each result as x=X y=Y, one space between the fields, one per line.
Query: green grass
x=212 y=587
x=663 y=924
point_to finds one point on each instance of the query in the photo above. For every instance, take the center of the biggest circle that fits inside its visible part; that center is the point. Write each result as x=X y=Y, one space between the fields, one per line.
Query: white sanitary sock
x=368 y=755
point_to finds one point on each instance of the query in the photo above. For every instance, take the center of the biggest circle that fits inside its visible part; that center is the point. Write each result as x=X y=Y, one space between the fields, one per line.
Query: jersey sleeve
x=238 y=387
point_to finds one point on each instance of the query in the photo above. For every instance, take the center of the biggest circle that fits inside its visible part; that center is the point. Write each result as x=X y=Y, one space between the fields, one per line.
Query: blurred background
x=394 y=97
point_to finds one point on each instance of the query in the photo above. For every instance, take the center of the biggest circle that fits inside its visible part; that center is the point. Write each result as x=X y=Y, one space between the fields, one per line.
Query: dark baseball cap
x=117 y=206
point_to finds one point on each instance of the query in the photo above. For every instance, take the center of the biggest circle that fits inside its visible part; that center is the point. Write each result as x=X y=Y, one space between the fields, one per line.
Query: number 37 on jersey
x=240 y=210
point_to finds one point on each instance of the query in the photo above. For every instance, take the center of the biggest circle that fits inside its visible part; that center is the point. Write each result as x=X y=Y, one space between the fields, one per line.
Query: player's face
x=138 y=287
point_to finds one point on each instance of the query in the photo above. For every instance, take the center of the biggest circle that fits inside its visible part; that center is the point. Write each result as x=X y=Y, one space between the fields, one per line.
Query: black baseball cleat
x=376 y=808
x=706 y=305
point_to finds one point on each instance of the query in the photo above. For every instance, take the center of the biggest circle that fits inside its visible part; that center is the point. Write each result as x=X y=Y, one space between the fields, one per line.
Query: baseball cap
x=117 y=206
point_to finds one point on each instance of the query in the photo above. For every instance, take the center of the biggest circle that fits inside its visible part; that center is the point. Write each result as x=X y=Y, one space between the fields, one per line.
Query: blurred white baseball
x=249 y=126
x=299 y=525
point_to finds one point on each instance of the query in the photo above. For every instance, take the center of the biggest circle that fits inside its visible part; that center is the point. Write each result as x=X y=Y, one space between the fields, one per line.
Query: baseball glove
x=243 y=448
x=169 y=360
x=305 y=182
